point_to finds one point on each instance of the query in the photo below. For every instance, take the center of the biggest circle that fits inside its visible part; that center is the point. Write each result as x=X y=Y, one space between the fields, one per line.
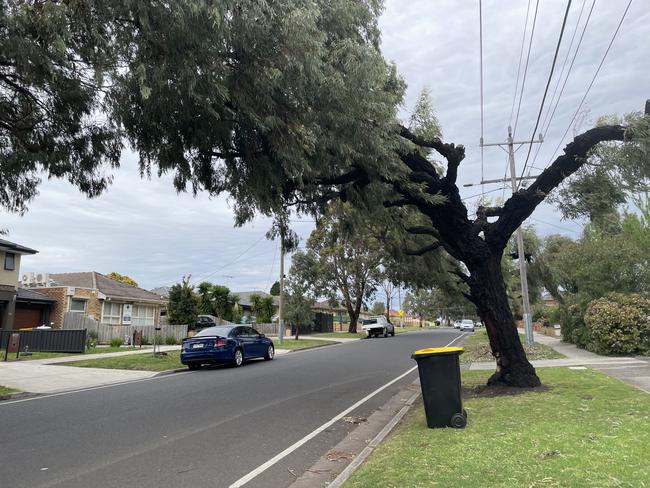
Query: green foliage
x=116 y=342
x=123 y=278
x=91 y=339
x=275 y=289
x=265 y=310
x=54 y=58
x=171 y=341
x=183 y=303
x=574 y=329
x=619 y=324
x=301 y=286
x=378 y=308
x=216 y=300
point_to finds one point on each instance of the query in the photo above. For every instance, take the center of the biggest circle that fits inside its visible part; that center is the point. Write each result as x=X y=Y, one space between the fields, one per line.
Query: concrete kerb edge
x=372 y=445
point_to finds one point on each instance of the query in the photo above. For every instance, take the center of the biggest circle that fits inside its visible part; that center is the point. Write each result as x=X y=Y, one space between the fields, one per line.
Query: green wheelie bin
x=439 y=369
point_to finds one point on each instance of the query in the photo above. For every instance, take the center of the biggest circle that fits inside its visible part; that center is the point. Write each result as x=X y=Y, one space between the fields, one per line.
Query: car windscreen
x=368 y=321
x=214 y=331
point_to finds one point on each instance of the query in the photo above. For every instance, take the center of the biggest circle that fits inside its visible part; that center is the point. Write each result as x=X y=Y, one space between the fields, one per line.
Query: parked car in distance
x=478 y=323
x=467 y=325
x=376 y=326
x=226 y=344
x=457 y=324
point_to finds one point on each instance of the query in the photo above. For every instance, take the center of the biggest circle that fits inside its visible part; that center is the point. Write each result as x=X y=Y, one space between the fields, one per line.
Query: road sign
x=401 y=313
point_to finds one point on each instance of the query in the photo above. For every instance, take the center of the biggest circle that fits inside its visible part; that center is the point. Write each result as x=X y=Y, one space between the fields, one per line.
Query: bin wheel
x=458 y=421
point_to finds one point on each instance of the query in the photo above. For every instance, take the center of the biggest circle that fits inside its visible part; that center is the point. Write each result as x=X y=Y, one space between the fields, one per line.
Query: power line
x=204 y=277
x=483 y=193
x=602 y=61
x=545 y=125
x=521 y=56
x=554 y=225
x=548 y=84
x=480 y=22
x=523 y=83
x=268 y=279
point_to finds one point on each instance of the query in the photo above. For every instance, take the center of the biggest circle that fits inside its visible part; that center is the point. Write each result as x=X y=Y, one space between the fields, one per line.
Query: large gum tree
x=284 y=105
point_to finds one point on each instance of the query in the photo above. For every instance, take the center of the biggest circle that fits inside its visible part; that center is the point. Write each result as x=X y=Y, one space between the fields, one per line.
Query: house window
x=112 y=313
x=143 y=315
x=10 y=261
x=77 y=305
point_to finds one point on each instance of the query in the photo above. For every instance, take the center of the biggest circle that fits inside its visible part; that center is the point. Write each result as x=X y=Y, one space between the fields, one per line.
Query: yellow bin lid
x=438 y=350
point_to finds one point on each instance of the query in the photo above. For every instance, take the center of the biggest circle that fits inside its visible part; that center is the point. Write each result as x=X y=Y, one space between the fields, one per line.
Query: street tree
x=183 y=303
x=302 y=286
x=348 y=259
x=289 y=105
x=123 y=278
x=275 y=289
x=378 y=308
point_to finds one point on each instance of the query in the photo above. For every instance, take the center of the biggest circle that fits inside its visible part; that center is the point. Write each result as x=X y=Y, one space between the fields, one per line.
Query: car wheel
x=270 y=353
x=194 y=366
x=238 y=358
x=392 y=334
x=385 y=332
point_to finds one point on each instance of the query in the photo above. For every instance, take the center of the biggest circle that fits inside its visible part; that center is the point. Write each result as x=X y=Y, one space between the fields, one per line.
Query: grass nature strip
x=477 y=349
x=583 y=429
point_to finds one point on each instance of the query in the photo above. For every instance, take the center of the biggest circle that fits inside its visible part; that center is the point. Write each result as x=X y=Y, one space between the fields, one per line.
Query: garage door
x=27 y=318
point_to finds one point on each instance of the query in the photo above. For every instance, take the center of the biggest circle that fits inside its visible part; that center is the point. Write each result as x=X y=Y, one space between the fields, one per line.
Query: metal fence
x=47 y=340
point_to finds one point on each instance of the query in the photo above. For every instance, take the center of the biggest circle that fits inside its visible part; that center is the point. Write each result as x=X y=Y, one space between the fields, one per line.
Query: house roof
x=245 y=297
x=27 y=295
x=17 y=248
x=325 y=305
x=161 y=291
x=104 y=284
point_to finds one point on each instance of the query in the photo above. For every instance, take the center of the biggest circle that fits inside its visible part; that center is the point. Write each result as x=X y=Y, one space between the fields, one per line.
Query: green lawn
x=477 y=349
x=292 y=344
x=584 y=429
x=143 y=362
x=341 y=335
x=5 y=390
x=48 y=355
x=410 y=328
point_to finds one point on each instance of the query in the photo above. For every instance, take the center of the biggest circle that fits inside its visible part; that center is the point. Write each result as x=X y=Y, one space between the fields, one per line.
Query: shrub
x=171 y=340
x=116 y=342
x=91 y=339
x=619 y=324
x=571 y=318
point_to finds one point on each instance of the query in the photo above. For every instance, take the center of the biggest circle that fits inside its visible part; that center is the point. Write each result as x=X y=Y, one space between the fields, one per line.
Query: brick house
x=10 y=255
x=108 y=301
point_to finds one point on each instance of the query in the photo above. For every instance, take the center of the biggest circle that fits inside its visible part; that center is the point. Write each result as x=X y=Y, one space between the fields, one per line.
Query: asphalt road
x=206 y=428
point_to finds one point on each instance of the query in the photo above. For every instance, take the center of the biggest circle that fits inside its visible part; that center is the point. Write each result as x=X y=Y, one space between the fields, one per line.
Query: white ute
x=376 y=326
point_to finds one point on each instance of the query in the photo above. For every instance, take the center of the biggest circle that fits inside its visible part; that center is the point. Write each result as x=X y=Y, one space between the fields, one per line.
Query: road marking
x=278 y=457
x=91 y=388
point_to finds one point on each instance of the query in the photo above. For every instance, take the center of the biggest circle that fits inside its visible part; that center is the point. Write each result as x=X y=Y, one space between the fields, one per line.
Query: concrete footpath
x=633 y=370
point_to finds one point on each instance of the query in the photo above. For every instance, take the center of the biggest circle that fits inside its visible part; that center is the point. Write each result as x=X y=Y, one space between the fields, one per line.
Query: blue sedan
x=226 y=344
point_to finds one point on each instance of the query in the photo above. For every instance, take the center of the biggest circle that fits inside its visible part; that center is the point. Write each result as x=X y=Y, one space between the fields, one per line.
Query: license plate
x=197 y=346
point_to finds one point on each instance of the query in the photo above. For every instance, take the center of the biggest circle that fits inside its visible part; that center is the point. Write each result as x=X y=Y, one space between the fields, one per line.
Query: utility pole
x=281 y=304
x=523 y=272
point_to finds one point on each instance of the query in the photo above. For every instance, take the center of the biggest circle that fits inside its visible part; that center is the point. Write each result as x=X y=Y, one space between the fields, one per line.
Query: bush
x=619 y=324
x=116 y=342
x=171 y=340
x=91 y=339
x=574 y=330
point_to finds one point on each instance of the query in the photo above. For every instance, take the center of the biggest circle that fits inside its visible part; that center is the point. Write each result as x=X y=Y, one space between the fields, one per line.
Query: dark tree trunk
x=488 y=292
x=297 y=330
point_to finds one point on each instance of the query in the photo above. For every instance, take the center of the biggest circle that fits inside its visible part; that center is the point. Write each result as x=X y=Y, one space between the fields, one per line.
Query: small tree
x=300 y=290
x=183 y=303
x=378 y=308
x=123 y=278
x=275 y=289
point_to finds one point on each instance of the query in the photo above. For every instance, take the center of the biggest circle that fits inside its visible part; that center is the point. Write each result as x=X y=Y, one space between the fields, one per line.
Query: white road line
x=91 y=388
x=278 y=457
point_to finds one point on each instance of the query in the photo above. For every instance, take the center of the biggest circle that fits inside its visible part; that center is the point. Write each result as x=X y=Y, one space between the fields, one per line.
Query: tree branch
x=422 y=250
x=452 y=153
x=522 y=204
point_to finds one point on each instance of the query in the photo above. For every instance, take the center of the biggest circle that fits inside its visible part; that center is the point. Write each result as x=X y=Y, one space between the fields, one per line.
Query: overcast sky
x=144 y=229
